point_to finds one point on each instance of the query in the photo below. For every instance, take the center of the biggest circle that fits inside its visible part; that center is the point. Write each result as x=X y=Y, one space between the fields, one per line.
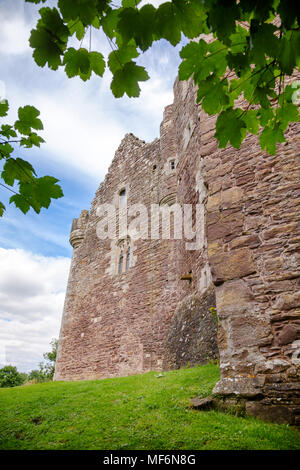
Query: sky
x=83 y=126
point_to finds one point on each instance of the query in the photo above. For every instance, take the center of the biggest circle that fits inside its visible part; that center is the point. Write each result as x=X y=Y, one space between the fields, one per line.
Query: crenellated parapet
x=78 y=229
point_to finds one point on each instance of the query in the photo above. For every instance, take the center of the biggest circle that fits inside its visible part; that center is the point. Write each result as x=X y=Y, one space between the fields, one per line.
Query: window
x=122 y=197
x=128 y=258
x=121 y=258
x=172 y=165
x=124 y=256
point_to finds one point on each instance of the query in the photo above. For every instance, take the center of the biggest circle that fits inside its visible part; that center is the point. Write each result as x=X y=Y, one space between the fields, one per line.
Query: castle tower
x=153 y=313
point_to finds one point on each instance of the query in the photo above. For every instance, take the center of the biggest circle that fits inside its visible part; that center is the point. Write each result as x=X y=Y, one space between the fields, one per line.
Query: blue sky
x=83 y=126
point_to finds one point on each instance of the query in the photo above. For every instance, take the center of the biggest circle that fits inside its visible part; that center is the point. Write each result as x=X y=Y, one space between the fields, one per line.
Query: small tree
x=50 y=357
x=46 y=369
x=10 y=377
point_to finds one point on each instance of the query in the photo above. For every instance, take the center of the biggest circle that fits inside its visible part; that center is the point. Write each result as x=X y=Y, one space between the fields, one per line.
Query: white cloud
x=83 y=122
x=14 y=31
x=32 y=291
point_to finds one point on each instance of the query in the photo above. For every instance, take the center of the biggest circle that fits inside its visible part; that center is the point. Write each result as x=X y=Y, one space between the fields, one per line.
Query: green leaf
x=126 y=80
x=251 y=120
x=289 y=11
x=77 y=27
x=230 y=128
x=45 y=49
x=287 y=55
x=2 y=209
x=137 y=25
x=97 y=63
x=213 y=94
x=47 y=189
x=37 y=193
x=130 y=3
x=286 y=113
x=81 y=62
x=20 y=203
x=5 y=150
x=269 y=137
x=265 y=115
x=3 y=108
x=222 y=17
x=109 y=22
x=28 y=118
x=120 y=57
x=8 y=131
x=49 y=39
x=32 y=140
x=17 y=169
x=192 y=17
x=76 y=62
x=263 y=42
x=85 y=10
x=194 y=62
x=167 y=23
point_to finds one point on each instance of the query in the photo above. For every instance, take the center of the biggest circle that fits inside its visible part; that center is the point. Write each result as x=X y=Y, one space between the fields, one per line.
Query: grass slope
x=137 y=412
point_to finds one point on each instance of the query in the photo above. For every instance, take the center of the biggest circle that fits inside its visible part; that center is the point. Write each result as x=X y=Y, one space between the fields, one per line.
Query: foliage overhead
x=248 y=49
x=243 y=56
x=31 y=191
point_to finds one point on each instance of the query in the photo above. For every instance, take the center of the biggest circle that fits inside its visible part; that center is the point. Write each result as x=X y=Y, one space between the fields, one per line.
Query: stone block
x=202 y=403
x=233 y=298
x=232 y=265
x=232 y=197
x=273 y=413
x=248 y=331
x=213 y=202
x=252 y=241
x=279 y=230
x=288 y=301
x=288 y=334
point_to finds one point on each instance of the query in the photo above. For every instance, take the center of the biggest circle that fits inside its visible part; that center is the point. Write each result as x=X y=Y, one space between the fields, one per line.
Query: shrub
x=10 y=377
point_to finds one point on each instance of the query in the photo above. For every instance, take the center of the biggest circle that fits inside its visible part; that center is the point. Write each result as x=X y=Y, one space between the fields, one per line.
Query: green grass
x=137 y=412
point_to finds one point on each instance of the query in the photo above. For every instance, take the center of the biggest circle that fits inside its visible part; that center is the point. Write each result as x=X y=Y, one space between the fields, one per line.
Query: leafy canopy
x=18 y=175
x=249 y=49
x=239 y=51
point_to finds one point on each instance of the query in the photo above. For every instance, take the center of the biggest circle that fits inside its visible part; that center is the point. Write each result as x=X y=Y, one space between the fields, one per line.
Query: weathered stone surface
x=233 y=298
x=248 y=244
x=242 y=386
x=288 y=301
x=251 y=241
x=192 y=333
x=232 y=197
x=249 y=331
x=288 y=334
x=202 y=403
x=235 y=265
x=268 y=412
x=279 y=230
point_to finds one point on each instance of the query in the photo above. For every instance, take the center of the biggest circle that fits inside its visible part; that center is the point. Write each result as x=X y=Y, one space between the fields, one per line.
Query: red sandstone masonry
x=122 y=324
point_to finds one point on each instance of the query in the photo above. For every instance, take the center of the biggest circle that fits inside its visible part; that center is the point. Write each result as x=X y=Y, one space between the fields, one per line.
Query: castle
x=139 y=304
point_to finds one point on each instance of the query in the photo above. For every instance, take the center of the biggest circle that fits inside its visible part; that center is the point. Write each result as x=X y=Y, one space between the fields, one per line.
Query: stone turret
x=78 y=229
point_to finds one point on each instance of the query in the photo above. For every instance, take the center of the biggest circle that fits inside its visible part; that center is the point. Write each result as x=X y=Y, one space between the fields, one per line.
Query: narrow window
x=121 y=261
x=128 y=258
x=122 y=197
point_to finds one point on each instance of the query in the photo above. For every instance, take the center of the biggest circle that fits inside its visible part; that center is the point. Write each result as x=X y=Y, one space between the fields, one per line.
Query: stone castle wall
x=119 y=324
x=156 y=316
